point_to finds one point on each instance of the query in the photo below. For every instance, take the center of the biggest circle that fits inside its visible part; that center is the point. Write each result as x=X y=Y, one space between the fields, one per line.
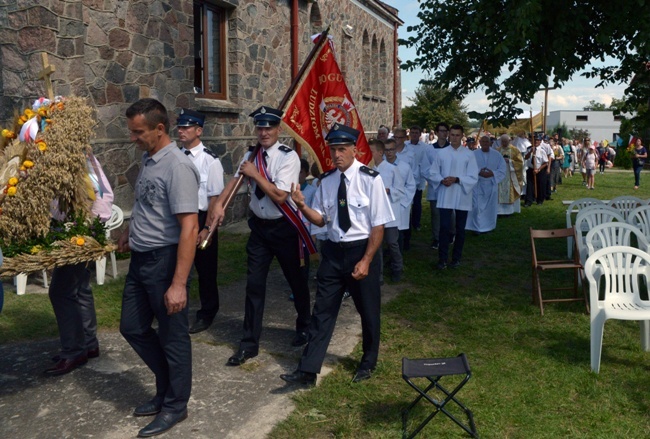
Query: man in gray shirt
x=162 y=237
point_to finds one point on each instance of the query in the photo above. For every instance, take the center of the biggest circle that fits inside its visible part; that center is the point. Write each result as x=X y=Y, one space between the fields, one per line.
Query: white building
x=602 y=125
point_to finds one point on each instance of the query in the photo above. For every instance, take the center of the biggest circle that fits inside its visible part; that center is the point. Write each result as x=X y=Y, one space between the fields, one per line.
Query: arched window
x=315 y=20
x=374 y=68
x=366 y=63
x=383 y=70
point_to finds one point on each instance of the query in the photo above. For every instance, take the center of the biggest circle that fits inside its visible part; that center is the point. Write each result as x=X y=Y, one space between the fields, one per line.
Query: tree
x=595 y=106
x=512 y=48
x=432 y=106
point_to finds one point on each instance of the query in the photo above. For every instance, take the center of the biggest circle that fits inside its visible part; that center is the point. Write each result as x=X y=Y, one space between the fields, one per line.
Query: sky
x=574 y=95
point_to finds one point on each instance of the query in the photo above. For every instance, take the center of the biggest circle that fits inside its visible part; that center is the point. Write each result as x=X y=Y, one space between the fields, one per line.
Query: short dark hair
x=377 y=143
x=457 y=127
x=153 y=111
x=390 y=141
x=304 y=166
x=441 y=124
x=416 y=127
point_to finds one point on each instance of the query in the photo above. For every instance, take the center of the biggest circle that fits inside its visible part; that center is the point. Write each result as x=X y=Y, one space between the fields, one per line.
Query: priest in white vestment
x=485 y=198
x=512 y=187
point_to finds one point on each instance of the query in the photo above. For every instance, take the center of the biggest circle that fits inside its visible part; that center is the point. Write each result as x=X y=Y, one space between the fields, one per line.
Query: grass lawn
x=531 y=374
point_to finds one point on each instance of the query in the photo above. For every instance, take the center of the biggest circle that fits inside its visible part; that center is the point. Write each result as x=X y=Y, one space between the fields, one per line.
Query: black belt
x=156 y=253
x=267 y=221
x=350 y=244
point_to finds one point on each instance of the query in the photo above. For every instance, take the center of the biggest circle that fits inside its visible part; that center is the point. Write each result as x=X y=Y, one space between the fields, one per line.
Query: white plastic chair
x=577 y=205
x=590 y=217
x=20 y=282
x=620 y=272
x=640 y=218
x=115 y=221
x=626 y=204
x=610 y=235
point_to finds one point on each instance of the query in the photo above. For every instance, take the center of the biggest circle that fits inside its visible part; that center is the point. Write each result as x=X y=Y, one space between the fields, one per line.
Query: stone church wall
x=115 y=52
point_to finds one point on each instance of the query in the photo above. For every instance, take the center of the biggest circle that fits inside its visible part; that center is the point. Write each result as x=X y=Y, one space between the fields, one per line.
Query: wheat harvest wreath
x=43 y=169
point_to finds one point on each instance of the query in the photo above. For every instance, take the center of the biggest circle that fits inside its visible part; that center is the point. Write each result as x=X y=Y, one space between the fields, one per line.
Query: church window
x=209 y=50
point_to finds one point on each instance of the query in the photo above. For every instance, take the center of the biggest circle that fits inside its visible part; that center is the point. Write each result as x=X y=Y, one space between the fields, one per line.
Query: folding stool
x=433 y=369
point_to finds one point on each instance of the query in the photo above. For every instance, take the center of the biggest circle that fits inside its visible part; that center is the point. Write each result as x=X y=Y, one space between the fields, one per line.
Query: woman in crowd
x=589 y=164
x=639 y=157
x=556 y=165
x=568 y=158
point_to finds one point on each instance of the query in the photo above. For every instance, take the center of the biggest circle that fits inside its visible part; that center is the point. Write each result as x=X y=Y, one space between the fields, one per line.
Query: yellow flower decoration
x=41 y=146
x=8 y=134
x=80 y=241
x=35 y=249
x=29 y=113
x=13 y=181
x=11 y=191
x=28 y=164
x=42 y=111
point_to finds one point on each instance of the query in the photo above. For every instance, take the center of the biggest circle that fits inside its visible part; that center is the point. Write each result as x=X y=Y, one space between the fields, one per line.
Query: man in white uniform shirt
x=454 y=174
x=394 y=184
x=190 y=128
x=536 y=164
x=272 y=235
x=404 y=212
x=352 y=202
x=492 y=170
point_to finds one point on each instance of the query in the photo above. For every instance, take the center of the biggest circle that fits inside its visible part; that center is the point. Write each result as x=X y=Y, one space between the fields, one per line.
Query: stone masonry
x=115 y=52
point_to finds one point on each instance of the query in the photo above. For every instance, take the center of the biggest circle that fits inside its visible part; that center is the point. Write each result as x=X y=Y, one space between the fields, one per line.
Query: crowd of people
x=352 y=212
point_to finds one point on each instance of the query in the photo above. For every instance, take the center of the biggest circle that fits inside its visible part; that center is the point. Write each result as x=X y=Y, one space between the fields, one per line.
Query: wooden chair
x=539 y=266
x=575 y=207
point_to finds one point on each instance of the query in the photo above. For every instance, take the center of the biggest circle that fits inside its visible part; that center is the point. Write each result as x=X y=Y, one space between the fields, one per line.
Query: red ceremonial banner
x=319 y=100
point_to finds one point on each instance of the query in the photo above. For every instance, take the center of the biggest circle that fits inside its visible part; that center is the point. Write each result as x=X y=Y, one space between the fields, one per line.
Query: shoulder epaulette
x=285 y=149
x=369 y=171
x=325 y=174
x=210 y=152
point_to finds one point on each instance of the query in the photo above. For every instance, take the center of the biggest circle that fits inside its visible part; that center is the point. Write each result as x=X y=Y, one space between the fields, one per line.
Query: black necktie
x=344 y=214
x=259 y=193
x=187 y=152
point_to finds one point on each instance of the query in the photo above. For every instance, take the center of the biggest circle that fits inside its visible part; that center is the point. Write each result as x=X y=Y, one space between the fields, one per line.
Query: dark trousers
x=205 y=262
x=74 y=309
x=167 y=352
x=530 y=186
x=445 y=234
x=269 y=239
x=416 y=209
x=334 y=277
x=637 y=175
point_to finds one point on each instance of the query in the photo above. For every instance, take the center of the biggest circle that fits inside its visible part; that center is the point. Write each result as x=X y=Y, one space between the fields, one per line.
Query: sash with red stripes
x=289 y=212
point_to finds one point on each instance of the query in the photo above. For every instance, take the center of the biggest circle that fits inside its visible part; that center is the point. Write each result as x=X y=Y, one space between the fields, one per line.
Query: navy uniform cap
x=342 y=135
x=266 y=117
x=539 y=137
x=190 y=117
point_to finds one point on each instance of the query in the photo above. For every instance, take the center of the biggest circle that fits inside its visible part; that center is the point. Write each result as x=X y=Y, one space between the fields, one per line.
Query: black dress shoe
x=149 y=408
x=200 y=325
x=65 y=365
x=91 y=353
x=300 y=377
x=240 y=358
x=300 y=339
x=362 y=375
x=164 y=422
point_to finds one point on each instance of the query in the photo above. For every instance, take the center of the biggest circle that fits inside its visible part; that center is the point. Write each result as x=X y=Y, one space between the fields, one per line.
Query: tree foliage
x=433 y=105
x=512 y=48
